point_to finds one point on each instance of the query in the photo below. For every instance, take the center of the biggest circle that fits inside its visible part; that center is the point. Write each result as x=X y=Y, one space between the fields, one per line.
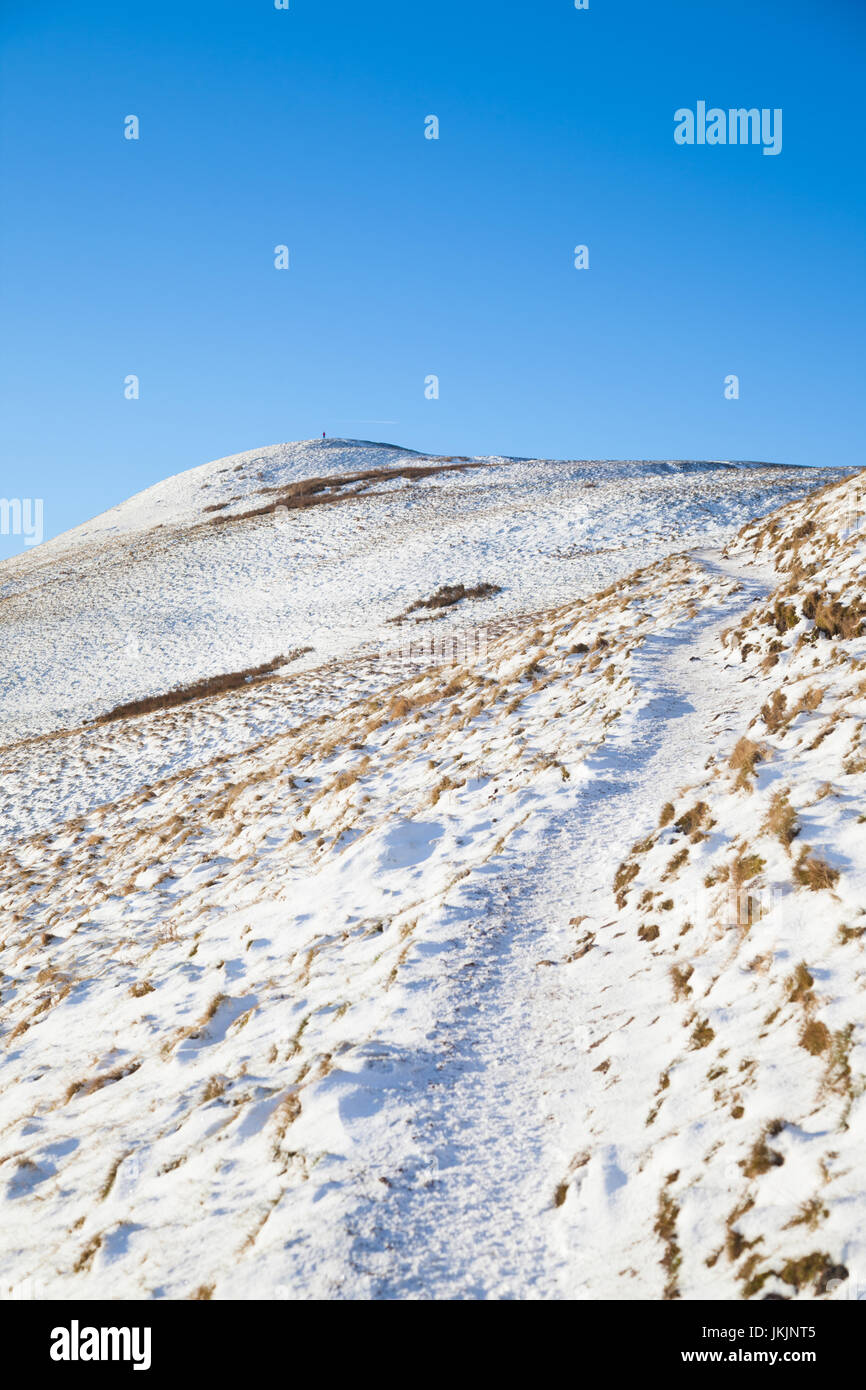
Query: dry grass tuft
x=198 y=690
x=762 y=1158
x=702 y=1035
x=692 y=820
x=832 y=618
x=812 y=872
x=680 y=976
x=676 y=864
x=773 y=712
x=799 y=985
x=623 y=877
x=746 y=867
x=815 y=1037
x=448 y=595
x=781 y=819
x=744 y=759
x=666 y=1229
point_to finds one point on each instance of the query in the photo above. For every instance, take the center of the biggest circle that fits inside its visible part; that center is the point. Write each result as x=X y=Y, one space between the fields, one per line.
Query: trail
x=496 y=1108
x=319 y=989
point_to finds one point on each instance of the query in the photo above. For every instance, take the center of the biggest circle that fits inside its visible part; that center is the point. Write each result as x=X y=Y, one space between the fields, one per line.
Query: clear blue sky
x=411 y=256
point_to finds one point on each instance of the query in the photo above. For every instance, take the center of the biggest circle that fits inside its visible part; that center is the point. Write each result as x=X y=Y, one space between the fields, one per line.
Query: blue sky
x=412 y=257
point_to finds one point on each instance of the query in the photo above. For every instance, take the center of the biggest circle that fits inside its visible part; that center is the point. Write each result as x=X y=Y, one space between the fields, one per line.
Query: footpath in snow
x=396 y=979
x=493 y=1112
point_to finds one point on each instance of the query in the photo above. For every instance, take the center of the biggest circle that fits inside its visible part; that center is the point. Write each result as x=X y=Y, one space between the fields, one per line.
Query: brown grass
x=313 y=492
x=112 y=1174
x=680 y=976
x=702 y=1035
x=832 y=618
x=799 y=985
x=666 y=1229
x=809 y=1214
x=85 y=1259
x=104 y=1078
x=692 y=820
x=448 y=595
x=623 y=877
x=745 y=867
x=345 y=779
x=815 y=1037
x=762 y=1158
x=773 y=712
x=783 y=617
x=781 y=819
x=197 y=690
x=211 y=1009
x=812 y=872
x=744 y=759
x=676 y=864
x=809 y=701
x=445 y=785
x=816 y=1269
x=399 y=707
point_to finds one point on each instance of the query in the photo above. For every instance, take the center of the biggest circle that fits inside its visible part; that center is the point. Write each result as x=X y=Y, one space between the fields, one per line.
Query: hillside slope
x=744 y=914
x=308 y=552
x=531 y=970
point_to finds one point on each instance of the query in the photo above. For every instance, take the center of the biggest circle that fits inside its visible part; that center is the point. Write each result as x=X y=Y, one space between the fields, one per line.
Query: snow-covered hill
x=525 y=962
x=308 y=550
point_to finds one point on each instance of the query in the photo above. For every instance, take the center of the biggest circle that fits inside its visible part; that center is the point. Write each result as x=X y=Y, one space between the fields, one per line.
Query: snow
x=322 y=987
x=159 y=592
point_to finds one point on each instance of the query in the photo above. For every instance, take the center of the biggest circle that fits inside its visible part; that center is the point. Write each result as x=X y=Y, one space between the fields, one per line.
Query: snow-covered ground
x=384 y=977
x=181 y=582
